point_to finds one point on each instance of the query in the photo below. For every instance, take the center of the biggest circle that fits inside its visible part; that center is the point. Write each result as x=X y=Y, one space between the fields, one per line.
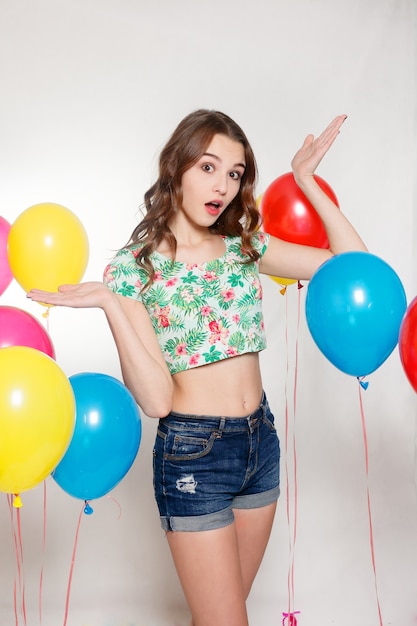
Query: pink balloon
x=6 y=275
x=19 y=328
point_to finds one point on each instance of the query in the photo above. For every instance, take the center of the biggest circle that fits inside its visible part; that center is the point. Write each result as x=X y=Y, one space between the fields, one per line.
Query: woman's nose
x=220 y=185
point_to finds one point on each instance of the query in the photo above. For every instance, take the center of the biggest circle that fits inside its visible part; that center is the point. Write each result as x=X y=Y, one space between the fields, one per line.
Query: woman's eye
x=235 y=175
x=207 y=167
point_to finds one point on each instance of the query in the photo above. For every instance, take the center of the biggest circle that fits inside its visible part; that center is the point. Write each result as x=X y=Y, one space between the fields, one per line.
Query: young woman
x=183 y=301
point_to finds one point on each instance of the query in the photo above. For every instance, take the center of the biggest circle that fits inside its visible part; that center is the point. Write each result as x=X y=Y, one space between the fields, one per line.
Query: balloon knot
x=88 y=510
x=363 y=383
x=299 y=285
x=17 y=502
x=292 y=620
x=283 y=291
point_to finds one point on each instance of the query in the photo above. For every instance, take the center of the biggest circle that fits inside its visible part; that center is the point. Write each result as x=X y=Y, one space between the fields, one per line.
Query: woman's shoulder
x=126 y=256
x=259 y=241
x=122 y=273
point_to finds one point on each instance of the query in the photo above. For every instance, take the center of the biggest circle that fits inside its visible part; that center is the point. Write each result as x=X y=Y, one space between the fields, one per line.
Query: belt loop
x=222 y=424
x=249 y=420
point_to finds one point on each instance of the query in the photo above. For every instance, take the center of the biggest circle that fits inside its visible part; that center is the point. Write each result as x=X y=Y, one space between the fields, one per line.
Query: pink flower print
x=256 y=284
x=181 y=349
x=206 y=310
x=218 y=332
x=243 y=251
x=194 y=359
x=210 y=276
x=168 y=358
x=252 y=334
x=191 y=266
x=135 y=253
x=236 y=318
x=162 y=315
x=171 y=282
x=198 y=291
x=228 y=294
x=231 y=351
x=231 y=259
x=108 y=274
x=187 y=295
x=157 y=275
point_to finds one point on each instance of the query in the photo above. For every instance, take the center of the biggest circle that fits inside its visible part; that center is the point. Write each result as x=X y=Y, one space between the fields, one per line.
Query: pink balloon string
x=43 y=553
x=292 y=620
x=283 y=290
x=368 y=495
x=15 y=583
x=117 y=504
x=19 y=582
x=16 y=614
x=71 y=572
x=290 y=447
x=47 y=319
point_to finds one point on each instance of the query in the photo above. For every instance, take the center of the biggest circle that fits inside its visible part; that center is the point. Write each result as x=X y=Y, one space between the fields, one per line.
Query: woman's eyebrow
x=214 y=156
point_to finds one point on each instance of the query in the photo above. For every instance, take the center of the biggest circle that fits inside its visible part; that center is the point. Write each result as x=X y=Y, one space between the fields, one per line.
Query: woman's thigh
x=209 y=569
x=253 y=529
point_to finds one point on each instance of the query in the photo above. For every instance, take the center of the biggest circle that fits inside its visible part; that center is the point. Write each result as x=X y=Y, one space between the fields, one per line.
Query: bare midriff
x=230 y=388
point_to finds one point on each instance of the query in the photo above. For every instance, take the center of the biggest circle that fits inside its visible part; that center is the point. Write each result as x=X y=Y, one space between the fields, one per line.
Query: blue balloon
x=106 y=437
x=354 y=307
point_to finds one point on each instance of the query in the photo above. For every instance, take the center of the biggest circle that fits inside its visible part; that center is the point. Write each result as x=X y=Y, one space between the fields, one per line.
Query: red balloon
x=407 y=343
x=287 y=213
x=19 y=328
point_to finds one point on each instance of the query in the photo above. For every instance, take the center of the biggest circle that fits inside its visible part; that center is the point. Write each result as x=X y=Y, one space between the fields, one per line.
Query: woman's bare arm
x=144 y=370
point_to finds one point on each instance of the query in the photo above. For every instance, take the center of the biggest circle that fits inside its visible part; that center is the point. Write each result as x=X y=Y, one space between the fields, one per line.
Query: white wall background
x=90 y=91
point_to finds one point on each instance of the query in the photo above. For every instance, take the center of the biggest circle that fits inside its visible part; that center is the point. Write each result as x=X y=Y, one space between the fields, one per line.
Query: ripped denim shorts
x=206 y=466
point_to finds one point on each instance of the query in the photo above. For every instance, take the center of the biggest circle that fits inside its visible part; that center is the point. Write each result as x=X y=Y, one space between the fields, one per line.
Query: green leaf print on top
x=201 y=313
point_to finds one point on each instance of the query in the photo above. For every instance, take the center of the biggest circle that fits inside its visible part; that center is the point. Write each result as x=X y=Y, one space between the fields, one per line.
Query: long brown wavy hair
x=186 y=146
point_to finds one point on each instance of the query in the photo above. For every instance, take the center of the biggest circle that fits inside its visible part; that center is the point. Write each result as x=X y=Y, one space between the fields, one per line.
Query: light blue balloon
x=354 y=307
x=106 y=437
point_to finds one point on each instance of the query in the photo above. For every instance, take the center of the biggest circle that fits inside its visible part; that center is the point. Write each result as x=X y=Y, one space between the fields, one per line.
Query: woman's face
x=210 y=185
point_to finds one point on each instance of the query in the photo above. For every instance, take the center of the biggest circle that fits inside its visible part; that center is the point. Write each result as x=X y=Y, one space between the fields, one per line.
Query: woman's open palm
x=83 y=295
x=313 y=150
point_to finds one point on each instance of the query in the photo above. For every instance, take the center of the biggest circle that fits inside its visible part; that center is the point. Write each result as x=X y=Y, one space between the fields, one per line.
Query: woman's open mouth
x=213 y=207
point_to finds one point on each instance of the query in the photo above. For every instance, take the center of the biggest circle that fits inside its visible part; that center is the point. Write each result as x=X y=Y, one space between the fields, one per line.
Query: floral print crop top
x=201 y=313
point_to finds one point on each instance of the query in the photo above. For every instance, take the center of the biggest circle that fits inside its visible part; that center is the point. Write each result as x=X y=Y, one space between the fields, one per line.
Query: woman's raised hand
x=313 y=150
x=82 y=295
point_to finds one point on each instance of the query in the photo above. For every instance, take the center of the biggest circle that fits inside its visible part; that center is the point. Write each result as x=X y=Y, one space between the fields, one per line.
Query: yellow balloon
x=37 y=417
x=47 y=247
x=283 y=281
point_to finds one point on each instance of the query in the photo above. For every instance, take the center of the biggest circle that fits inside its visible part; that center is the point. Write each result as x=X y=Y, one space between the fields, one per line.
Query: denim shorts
x=205 y=466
